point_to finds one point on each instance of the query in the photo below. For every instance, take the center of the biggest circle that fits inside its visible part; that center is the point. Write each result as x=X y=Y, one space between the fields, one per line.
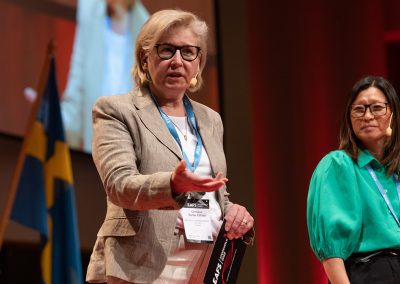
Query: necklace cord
x=177 y=127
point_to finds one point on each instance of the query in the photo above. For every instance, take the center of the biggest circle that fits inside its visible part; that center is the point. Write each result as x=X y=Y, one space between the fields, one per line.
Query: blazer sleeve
x=116 y=161
x=219 y=133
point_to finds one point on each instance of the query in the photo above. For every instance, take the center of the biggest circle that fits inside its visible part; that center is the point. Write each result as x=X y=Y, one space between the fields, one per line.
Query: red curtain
x=304 y=59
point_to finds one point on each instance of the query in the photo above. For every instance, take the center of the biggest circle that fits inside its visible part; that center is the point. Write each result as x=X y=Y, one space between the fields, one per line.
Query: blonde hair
x=155 y=27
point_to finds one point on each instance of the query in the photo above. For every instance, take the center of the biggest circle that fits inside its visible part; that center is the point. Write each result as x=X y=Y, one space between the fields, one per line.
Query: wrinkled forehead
x=370 y=95
x=179 y=35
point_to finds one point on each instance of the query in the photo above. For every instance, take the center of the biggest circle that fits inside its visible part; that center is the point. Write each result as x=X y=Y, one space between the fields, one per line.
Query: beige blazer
x=135 y=155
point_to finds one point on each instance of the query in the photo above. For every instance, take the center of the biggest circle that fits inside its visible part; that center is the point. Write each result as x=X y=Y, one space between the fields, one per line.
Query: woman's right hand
x=335 y=270
x=183 y=181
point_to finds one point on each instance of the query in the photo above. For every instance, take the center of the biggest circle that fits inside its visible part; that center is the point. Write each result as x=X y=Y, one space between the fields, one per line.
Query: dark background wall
x=235 y=111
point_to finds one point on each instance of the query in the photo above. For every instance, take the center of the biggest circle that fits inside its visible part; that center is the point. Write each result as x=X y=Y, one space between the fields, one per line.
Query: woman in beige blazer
x=153 y=147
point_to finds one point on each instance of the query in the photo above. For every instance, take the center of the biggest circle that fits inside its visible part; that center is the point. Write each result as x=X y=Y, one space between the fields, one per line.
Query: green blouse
x=345 y=211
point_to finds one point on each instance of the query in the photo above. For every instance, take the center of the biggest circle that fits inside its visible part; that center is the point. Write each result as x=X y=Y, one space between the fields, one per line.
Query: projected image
x=94 y=55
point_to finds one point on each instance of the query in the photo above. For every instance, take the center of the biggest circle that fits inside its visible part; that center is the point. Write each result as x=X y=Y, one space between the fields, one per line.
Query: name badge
x=196 y=220
x=225 y=261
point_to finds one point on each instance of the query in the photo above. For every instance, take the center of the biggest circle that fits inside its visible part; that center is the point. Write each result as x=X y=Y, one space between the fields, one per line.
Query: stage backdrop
x=288 y=91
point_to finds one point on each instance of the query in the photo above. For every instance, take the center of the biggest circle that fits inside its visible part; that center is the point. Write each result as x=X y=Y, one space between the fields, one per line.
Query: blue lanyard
x=172 y=130
x=383 y=192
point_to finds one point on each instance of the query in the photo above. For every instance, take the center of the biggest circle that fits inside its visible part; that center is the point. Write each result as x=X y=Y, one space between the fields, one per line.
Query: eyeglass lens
x=167 y=51
x=377 y=109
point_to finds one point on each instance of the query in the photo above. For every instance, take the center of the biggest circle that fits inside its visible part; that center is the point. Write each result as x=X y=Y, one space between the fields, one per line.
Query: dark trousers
x=380 y=267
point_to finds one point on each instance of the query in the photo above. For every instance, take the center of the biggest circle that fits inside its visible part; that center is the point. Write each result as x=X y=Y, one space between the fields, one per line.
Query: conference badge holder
x=225 y=260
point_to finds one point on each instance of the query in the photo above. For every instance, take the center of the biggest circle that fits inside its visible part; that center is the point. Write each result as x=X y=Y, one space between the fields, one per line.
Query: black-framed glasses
x=376 y=109
x=188 y=52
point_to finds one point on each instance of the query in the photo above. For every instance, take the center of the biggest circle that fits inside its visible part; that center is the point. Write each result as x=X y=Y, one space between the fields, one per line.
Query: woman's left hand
x=238 y=221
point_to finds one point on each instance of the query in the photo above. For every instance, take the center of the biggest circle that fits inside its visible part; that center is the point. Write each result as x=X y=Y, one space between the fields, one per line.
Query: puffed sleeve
x=334 y=212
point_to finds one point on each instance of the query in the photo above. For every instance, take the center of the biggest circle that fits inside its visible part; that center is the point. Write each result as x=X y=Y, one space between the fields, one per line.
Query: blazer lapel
x=207 y=136
x=210 y=145
x=153 y=121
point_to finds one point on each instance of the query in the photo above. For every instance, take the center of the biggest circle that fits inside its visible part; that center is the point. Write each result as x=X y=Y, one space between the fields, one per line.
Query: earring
x=193 y=82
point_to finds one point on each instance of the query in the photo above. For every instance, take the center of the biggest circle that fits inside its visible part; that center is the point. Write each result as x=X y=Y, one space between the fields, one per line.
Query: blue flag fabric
x=45 y=199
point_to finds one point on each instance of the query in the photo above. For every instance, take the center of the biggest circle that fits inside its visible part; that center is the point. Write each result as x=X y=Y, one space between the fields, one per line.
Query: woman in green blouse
x=353 y=209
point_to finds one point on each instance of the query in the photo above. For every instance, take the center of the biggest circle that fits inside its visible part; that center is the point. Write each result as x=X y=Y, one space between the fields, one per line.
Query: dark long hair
x=348 y=140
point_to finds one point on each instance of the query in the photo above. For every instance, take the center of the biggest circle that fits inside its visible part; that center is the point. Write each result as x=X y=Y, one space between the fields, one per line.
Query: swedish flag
x=45 y=198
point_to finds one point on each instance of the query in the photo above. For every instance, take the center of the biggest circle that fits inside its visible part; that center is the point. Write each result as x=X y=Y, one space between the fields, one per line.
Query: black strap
x=367 y=256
